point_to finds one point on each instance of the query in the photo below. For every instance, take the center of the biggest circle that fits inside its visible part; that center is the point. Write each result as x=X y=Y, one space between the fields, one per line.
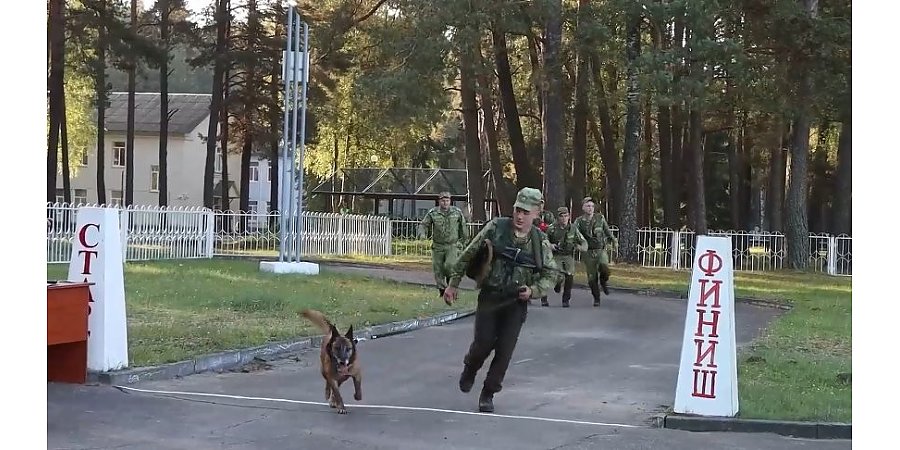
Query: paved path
x=616 y=365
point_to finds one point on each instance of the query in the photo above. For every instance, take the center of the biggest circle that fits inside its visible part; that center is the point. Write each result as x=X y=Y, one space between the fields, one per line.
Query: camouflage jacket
x=503 y=274
x=443 y=228
x=567 y=239
x=595 y=230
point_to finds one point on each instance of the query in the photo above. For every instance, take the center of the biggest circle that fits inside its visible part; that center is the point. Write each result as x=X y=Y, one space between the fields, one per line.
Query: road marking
x=407 y=408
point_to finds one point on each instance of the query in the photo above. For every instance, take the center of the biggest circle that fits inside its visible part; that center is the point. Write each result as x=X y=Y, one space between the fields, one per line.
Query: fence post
x=123 y=232
x=676 y=249
x=831 y=261
x=210 y=231
x=340 y=235
x=388 y=247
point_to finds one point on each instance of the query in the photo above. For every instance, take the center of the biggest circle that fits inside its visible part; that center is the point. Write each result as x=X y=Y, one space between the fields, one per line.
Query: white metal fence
x=184 y=233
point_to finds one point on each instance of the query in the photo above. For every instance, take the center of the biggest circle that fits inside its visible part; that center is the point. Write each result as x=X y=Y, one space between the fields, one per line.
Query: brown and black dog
x=338 y=359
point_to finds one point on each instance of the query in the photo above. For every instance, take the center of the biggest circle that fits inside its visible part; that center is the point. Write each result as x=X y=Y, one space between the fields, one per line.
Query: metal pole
x=302 y=134
x=294 y=88
x=283 y=157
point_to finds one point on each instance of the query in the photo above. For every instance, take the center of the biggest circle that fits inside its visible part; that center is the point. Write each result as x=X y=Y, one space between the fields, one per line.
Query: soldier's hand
x=554 y=247
x=525 y=293
x=450 y=295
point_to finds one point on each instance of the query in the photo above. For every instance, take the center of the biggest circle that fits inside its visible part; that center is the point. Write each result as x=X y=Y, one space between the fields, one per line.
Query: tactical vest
x=503 y=272
x=587 y=230
x=563 y=238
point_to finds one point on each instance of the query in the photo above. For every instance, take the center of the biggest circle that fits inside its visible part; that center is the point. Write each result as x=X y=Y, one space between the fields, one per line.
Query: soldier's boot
x=604 y=278
x=544 y=301
x=466 y=379
x=567 y=291
x=486 y=402
x=558 y=286
x=595 y=291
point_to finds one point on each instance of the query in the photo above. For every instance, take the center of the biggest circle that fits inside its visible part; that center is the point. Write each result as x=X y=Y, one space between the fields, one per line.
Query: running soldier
x=565 y=239
x=596 y=231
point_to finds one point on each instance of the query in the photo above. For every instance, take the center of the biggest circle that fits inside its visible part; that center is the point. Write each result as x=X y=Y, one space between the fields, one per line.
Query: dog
x=339 y=360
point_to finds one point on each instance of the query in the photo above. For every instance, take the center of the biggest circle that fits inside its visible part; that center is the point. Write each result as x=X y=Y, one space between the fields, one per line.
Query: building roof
x=187 y=110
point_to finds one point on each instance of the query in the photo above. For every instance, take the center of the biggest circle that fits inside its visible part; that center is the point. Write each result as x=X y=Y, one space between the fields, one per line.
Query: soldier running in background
x=445 y=225
x=565 y=239
x=596 y=231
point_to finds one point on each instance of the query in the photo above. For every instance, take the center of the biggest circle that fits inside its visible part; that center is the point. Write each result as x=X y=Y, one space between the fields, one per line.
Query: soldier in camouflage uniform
x=506 y=285
x=445 y=225
x=596 y=231
x=565 y=239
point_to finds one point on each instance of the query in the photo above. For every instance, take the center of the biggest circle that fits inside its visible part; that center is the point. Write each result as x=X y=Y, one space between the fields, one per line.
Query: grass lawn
x=799 y=369
x=182 y=309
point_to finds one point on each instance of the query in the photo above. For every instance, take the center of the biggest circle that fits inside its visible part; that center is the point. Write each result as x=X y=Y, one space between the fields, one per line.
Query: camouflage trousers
x=596 y=263
x=565 y=279
x=443 y=257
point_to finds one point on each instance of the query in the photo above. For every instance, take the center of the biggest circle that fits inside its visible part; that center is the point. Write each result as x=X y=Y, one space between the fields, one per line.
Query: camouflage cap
x=587 y=199
x=529 y=199
x=443 y=194
x=562 y=210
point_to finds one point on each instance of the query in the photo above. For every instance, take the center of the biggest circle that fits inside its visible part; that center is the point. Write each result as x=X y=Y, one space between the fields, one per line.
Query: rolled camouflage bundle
x=480 y=265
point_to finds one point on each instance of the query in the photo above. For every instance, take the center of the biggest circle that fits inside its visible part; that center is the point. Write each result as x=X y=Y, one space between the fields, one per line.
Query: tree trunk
x=222 y=19
x=608 y=153
x=628 y=251
x=64 y=138
x=536 y=71
x=56 y=38
x=552 y=117
x=841 y=210
x=819 y=190
x=578 y=173
x=100 y=76
x=797 y=230
x=474 y=170
x=223 y=144
x=526 y=175
x=797 y=225
x=668 y=187
x=501 y=192
x=129 y=126
x=775 y=192
x=735 y=163
x=645 y=219
x=697 y=198
x=164 y=105
x=246 y=156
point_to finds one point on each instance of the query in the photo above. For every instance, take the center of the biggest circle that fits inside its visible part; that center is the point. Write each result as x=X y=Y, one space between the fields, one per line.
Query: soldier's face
x=444 y=203
x=588 y=208
x=522 y=219
x=563 y=219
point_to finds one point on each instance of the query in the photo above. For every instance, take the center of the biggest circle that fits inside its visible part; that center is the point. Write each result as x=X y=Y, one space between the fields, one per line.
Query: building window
x=60 y=195
x=115 y=198
x=84 y=159
x=119 y=154
x=154 y=178
x=218 y=160
x=254 y=171
x=80 y=197
x=252 y=206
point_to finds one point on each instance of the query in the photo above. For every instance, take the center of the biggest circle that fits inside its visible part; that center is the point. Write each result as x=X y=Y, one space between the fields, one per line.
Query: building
x=188 y=128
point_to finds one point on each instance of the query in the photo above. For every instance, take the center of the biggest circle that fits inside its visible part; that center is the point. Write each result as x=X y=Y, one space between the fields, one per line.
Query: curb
x=797 y=429
x=222 y=361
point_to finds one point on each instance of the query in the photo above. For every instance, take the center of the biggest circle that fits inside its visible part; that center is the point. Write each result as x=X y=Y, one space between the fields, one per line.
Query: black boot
x=466 y=379
x=567 y=291
x=557 y=287
x=595 y=292
x=544 y=301
x=486 y=402
x=604 y=278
